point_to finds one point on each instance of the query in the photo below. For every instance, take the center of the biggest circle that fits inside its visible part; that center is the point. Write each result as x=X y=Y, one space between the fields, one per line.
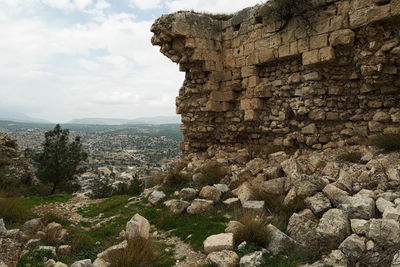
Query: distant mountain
x=19 y=117
x=144 y=120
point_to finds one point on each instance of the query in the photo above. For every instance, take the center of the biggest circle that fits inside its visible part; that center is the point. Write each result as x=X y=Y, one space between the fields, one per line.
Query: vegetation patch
x=387 y=142
x=35 y=258
x=212 y=173
x=253 y=230
x=108 y=207
x=142 y=252
x=290 y=258
x=14 y=212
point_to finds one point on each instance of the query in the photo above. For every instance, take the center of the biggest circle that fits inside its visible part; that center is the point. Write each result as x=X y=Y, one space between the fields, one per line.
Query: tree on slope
x=60 y=160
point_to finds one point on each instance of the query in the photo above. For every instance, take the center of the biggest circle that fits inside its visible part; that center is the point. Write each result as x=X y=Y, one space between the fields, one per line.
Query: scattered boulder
x=198 y=177
x=138 y=225
x=233 y=227
x=254 y=259
x=156 y=196
x=231 y=201
x=223 y=258
x=243 y=192
x=82 y=263
x=292 y=170
x=108 y=254
x=384 y=232
x=188 y=193
x=308 y=185
x=278 y=241
x=218 y=242
x=65 y=249
x=358 y=207
x=274 y=186
x=333 y=228
x=359 y=226
x=254 y=206
x=32 y=243
x=223 y=188
x=200 y=206
x=256 y=165
x=302 y=228
x=382 y=204
x=177 y=206
x=210 y=193
x=32 y=226
x=334 y=194
x=318 y=203
x=353 y=247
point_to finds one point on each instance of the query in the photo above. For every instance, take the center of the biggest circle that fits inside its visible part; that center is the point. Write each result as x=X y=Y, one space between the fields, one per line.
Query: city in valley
x=118 y=153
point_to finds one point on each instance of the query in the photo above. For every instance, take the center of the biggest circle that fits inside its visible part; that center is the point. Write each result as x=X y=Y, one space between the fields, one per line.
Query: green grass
x=290 y=259
x=34 y=258
x=191 y=228
x=30 y=202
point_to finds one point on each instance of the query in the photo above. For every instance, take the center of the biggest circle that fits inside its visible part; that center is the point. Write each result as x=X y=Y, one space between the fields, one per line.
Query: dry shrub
x=174 y=177
x=212 y=172
x=140 y=252
x=52 y=236
x=351 y=156
x=387 y=142
x=274 y=205
x=254 y=228
x=12 y=211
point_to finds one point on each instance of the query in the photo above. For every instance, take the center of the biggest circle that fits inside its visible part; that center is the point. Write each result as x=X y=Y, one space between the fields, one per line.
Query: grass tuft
x=141 y=252
x=253 y=230
x=212 y=172
x=13 y=212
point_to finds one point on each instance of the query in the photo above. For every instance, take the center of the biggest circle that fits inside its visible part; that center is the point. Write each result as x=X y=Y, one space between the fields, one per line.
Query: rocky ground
x=341 y=205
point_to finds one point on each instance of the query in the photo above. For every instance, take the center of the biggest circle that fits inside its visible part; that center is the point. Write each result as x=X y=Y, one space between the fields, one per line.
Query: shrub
x=49 y=217
x=212 y=172
x=284 y=10
x=141 y=252
x=351 y=156
x=174 y=177
x=387 y=142
x=101 y=188
x=134 y=188
x=253 y=230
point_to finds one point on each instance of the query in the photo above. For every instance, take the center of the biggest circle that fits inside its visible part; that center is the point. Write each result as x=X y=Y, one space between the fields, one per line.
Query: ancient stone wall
x=330 y=76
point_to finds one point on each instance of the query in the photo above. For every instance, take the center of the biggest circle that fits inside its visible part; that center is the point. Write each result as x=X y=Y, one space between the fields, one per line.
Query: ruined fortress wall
x=331 y=77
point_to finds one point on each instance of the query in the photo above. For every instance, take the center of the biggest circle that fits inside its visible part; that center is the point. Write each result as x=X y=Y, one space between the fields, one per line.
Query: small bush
x=141 y=252
x=387 y=142
x=13 y=212
x=212 y=172
x=134 y=188
x=101 y=188
x=285 y=9
x=52 y=217
x=274 y=205
x=253 y=230
x=174 y=177
x=52 y=237
x=351 y=156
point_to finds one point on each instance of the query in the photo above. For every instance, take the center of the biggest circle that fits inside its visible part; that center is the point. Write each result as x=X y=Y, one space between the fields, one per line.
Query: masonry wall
x=332 y=76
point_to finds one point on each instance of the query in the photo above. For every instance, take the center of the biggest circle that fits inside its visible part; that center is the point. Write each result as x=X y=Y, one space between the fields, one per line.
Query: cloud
x=146 y=4
x=116 y=98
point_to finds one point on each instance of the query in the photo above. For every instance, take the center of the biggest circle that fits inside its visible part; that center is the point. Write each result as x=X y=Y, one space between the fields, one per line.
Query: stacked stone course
x=327 y=77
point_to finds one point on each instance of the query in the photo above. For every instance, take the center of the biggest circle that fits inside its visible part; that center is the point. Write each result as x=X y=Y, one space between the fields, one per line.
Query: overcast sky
x=66 y=59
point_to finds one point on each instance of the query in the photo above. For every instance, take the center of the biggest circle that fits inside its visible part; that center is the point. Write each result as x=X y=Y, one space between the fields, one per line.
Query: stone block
x=311 y=57
x=180 y=28
x=251 y=104
x=342 y=37
x=218 y=242
x=262 y=91
x=250 y=115
x=395 y=7
x=249 y=71
x=266 y=55
x=303 y=45
x=318 y=41
x=284 y=51
x=367 y=15
x=327 y=54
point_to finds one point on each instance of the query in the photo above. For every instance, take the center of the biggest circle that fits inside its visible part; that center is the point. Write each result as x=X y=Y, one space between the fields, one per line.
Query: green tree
x=60 y=160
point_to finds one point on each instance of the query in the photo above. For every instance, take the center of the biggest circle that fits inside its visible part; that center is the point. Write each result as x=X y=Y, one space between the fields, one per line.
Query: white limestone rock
x=223 y=258
x=137 y=225
x=156 y=196
x=218 y=242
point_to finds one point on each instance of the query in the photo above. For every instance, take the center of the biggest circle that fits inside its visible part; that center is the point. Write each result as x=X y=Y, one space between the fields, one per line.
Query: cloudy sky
x=66 y=59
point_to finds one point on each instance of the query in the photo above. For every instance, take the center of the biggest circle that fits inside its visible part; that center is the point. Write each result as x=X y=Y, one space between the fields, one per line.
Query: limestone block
x=266 y=55
x=222 y=96
x=333 y=228
x=138 y=225
x=317 y=115
x=327 y=54
x=342 y=37
x=309 y=129
x=311 y=57
x=249 y=71
x=262 y=91
x=353 y=247
x=200 y=206
x=218 y=242
x=303 y=45
x=395 y=7
x=224 y=258
x=284 y=51
x=210 y=193
x=385 y=232
x=294 y=78
x=318 y=41
x=180 y=28
x=218 y=106
x=278 y=241
x=366 y=15
x=251 y=104
x=250 y=115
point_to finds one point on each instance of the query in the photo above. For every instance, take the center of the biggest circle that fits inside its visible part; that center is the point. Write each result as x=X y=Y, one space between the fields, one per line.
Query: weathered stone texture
x=301 y=86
